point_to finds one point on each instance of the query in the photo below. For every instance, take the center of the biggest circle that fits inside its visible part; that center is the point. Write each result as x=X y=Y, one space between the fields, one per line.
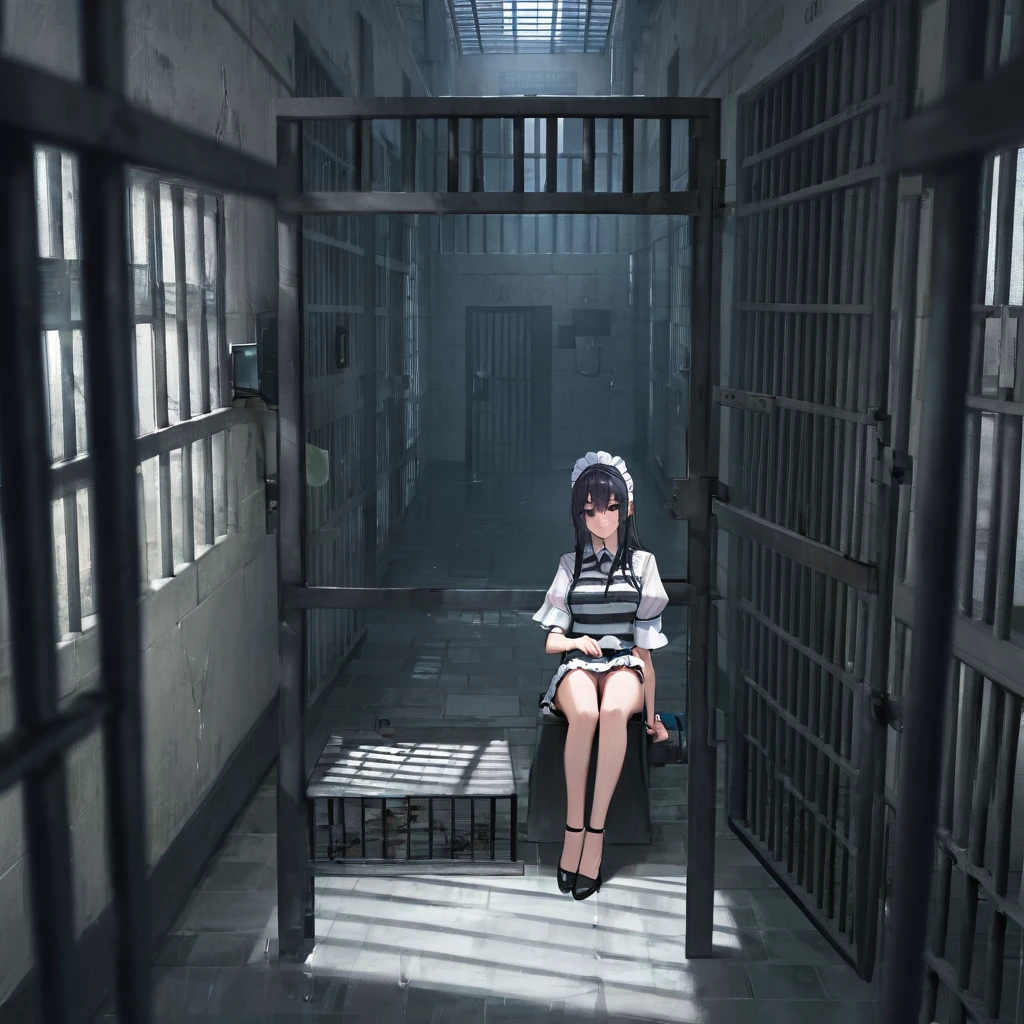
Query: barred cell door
x=508 y=388
x=814 y=482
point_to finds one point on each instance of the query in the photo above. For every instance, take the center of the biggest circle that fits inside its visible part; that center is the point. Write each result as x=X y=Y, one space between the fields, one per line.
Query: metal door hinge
x=892 y=466
x=887 y=710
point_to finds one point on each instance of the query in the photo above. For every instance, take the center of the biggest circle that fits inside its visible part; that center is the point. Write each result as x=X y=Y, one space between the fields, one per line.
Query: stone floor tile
x=783 y=981
x=776 y=909
x=841 y=983
x=790 y=946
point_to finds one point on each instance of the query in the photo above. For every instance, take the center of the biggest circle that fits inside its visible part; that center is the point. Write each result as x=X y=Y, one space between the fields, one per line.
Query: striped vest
x=597 y=614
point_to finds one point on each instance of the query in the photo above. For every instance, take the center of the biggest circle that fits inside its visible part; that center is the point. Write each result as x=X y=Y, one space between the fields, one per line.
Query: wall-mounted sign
x=538 y=83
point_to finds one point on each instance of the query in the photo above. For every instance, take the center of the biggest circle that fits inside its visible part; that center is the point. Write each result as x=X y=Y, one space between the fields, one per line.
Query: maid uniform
x=627 y=616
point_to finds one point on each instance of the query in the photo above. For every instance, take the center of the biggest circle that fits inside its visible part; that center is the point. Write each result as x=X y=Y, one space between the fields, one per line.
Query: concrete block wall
x=209 y=634
x=587 y=412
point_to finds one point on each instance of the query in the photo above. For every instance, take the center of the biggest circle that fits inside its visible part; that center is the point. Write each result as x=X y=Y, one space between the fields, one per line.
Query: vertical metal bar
x=476 y=154
x=494 y=801
x=369 y=483
x=292 y=869
x=705 y=147
x=453 y=154
x=162 y=419
x=871 y=809
x=472 y=829
x=408 y=828
x=628 y=154
x=110 y=404
x=362 y=826
x=451 y=839
x=665 y=154
x=430 y=828
x=957 y=187
x=588 y=154
x=25 y=503
x=384 y=827
x=208 y=386
x=409 y=139
x=518 y=155
x=514 y=826
x=186 y=511
x=551 y=155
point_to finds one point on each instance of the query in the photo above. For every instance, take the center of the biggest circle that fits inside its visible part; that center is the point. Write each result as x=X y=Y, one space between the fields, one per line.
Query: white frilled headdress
x=603 y=459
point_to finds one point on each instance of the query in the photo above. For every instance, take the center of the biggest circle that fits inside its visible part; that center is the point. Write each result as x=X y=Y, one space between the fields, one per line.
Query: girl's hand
x=588 y=645
x=659 y=732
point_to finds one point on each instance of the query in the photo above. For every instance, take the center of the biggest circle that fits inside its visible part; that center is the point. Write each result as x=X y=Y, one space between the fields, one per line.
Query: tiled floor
x=496 y=949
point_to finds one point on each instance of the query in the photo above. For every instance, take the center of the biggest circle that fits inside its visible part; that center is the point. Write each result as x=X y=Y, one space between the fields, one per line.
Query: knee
x=613 y=713
x=585 y=719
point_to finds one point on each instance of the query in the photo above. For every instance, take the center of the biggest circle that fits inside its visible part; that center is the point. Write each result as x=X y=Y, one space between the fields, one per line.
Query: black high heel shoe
x=567 y=879
x=584 y=886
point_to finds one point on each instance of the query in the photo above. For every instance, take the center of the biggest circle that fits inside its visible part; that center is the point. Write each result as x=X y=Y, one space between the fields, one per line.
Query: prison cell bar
x=294 y=904
x=550 y=200
x=870 y=812
x=24 y=436
x=954 y=251
x=768 y=200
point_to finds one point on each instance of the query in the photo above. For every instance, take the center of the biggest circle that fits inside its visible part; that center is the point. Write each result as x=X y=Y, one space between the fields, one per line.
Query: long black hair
x=604 y=485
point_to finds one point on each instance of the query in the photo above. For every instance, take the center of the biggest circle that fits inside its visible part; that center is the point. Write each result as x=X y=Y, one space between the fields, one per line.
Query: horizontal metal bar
x=632 y=204
x=820 y=557
x=973 y=643
x=24 y=751
x=794 y=723
x=370 y=866
x=747 y=401
x=862 y=176
x=73 y=115
x=428 y=107
x=948 y=976
x=753 y=401
x=847 y=116
x=171 y=438
x=809 y=805
x=825 y=664
x=976 y=118
x=995 y=405
x=76 y=473
x=1003 y=904
x=298 y=598
x=832 y=308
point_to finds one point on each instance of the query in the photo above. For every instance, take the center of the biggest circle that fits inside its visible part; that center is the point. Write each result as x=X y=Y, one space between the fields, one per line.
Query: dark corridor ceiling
x=532 y=26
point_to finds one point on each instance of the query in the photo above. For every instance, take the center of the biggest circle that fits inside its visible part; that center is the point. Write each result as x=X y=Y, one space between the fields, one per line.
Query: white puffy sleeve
x=653 y=601
x=553 y=612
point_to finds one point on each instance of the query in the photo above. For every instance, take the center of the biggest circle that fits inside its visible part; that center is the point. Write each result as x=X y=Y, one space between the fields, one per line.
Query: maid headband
x=603 y=459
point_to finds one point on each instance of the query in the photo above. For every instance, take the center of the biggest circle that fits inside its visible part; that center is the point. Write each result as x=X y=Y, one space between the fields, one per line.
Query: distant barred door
x=508 y=389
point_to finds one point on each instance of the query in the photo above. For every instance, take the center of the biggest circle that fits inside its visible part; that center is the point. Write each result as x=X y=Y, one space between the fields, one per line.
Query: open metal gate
x=92 y=119
x=814 y=478
x=465 y=194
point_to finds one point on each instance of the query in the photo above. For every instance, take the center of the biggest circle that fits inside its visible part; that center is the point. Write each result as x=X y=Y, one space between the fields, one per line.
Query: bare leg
x=622 y=696
x=576 y=698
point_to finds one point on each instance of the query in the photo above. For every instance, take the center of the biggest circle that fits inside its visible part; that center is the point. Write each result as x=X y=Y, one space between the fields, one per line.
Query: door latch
x=692 y=496
x=892 y=466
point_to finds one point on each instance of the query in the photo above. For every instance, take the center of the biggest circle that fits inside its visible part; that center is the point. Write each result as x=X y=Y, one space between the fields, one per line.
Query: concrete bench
x=629 y=814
